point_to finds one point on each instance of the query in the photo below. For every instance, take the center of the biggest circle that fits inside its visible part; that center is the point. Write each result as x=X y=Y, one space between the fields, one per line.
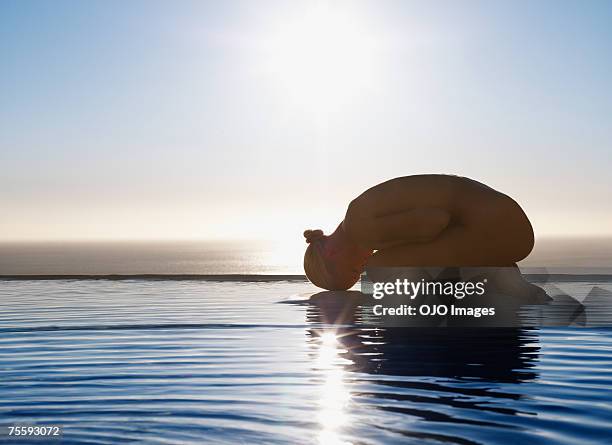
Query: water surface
x=229 y=362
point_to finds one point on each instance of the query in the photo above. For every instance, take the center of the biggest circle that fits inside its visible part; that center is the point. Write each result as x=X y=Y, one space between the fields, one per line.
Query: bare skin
x=438 y=220
x=429 y=220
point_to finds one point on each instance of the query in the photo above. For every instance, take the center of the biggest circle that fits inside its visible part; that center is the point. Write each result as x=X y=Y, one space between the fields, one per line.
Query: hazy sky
x=179 y=119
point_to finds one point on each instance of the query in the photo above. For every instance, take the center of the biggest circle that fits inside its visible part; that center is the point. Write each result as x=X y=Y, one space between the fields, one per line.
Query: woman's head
x=326 y=266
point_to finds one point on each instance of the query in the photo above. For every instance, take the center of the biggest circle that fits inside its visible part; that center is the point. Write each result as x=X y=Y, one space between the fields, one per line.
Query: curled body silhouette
x=419 y=221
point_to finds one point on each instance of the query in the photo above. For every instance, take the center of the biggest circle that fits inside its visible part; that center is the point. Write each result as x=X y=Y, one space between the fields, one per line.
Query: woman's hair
x=315 y=266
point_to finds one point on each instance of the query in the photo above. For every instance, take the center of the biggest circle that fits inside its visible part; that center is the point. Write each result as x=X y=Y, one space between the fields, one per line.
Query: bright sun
x=323 y=59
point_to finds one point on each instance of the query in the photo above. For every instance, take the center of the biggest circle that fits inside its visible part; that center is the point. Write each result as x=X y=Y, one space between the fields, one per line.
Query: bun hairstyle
x=314 y=264
x=313 y=235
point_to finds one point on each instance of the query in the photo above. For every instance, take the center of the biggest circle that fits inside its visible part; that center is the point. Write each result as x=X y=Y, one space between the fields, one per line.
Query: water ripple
x=222 y=362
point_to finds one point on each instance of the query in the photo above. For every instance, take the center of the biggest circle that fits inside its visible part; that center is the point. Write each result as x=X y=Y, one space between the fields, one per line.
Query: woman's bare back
x=427 y=220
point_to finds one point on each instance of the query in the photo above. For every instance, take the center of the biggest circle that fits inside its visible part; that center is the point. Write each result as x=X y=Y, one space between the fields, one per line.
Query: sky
x=256 y=120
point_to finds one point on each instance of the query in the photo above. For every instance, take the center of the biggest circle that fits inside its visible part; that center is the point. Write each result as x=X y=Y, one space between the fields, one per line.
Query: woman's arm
x=418 y=225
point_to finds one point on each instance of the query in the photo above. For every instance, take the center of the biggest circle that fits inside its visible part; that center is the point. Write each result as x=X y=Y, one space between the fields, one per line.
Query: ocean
x=271 y=360
x=566 y=255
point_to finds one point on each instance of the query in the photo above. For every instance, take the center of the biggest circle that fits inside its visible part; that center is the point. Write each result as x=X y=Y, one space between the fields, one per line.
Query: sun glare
x=322 y=59
x=334 y=394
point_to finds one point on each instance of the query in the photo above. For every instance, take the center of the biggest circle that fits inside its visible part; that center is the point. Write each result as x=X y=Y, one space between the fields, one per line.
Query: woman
x=419 y=221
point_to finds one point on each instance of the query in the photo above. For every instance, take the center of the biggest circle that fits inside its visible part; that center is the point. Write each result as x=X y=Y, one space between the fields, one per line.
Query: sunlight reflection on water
x=334 y=395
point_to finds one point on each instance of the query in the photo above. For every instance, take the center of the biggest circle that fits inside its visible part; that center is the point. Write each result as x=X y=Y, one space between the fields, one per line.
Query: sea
x=227 y=343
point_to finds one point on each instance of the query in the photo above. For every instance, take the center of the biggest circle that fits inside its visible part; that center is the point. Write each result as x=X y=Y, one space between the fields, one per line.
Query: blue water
x=144 y=361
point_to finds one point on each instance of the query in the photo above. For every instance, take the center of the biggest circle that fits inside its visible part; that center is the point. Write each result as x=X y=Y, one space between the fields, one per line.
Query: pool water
x=149 y=361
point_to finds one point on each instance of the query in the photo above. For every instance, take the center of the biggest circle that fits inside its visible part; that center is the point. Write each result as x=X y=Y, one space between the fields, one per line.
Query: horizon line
x=240 y=239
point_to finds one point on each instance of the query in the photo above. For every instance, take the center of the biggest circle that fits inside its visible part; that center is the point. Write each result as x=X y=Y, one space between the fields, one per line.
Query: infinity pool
x=151 y=361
